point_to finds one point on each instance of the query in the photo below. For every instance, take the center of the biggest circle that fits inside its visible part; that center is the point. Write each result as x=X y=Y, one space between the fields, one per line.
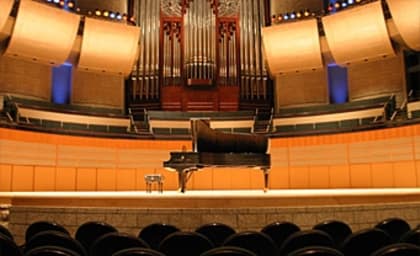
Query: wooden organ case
x=200 y=55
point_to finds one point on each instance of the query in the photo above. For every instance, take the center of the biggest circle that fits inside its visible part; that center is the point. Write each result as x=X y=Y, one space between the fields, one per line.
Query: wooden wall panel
x=299 y=89
x=99 y=90
x=294 y=5
x=65 y=179
x=22 y=178
x=371 y=79
x=5 y=177
x=25 y=78
x=44 y=178
x=380 y=158
x=111 y=5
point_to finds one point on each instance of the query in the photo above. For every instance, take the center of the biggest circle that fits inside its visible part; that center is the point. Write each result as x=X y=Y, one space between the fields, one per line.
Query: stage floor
x=212 y=199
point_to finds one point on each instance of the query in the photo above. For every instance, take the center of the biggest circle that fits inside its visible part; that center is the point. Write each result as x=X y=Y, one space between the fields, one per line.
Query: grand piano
x=213 y=148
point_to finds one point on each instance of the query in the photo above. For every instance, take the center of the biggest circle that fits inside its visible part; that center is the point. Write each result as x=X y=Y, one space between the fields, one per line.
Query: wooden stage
x=212 y=199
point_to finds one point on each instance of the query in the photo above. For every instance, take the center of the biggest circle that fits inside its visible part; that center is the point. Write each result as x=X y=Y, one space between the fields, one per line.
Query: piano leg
x=266 y=172
x=182 y=180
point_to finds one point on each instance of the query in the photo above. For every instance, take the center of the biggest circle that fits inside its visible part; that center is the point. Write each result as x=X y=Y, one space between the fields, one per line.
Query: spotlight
x=343 y=4
x=330 y=8
x=124 y=16
x=112 y=15
x=358 y=1
x=350 y=1
x=49 y=1
x=98 y=12
x=292 y=15
x=132 y=19
x=61 y=3
x=337 y=5
x=56 y=1
x=280 y=18
x=306 y=13
x=118 y=16
x=298 y=14
x=70 y=4
x=105 y=13
x=286 y=16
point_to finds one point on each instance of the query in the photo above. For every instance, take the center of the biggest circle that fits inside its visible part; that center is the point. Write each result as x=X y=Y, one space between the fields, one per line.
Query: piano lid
x=206 y=139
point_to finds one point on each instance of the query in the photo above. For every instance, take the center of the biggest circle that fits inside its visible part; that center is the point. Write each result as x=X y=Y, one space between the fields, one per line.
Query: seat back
x=40 y=226
x=306 y=238
x=398 y=249
x=216 y=232
x=395 y=227
x=365 y=241
x=185 y=244
x=8 y=247
x=154 y=233
x=316 y=251
x=51 y=251
x=88 y=232
x=257 y=242
x=138 y=252
x=6 y=232
x=412 y=237
x=111 y=243
x=55 y=238
x=280 y=231
x=228 y=251
x=338 y=230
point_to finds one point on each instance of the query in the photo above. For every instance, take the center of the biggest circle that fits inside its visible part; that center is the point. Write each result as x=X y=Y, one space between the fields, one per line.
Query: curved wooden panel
x=291 y=47
x=42 y=33
x=358 y=34
x=5 y=9
x=109 y=47
x=406 y=16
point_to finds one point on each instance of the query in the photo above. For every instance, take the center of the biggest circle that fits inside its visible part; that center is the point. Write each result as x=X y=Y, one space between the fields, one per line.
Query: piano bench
x=154 y=178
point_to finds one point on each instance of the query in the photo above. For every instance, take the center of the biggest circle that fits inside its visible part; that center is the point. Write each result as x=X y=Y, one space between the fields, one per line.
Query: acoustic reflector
x=406 y=17
x=42 y=33
x=109 y=47
x=358 y=34
x=292 y=47
x=5 y=9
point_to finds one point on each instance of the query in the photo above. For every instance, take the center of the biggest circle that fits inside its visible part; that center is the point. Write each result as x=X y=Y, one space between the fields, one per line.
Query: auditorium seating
x=370 y=241
x=329 y=118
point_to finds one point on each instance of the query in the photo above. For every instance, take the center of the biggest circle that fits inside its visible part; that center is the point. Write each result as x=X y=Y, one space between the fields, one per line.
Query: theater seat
x=365 y=241
x=138 y=252
x=395 y=227
x=185 y=244
x=88 y=232
x=280 y=231
x=216 y=232
x=338 y=230
x=316 y=251
x=154 y=233
x=398 y=249
x=8 y=247
x=306 y=238
x=51 y=251
x=228 y=251
x=257 y=242
x=40 y=226
x=111 y=243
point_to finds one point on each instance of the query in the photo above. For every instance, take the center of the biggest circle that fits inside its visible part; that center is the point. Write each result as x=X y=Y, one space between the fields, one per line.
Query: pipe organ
x=200 y=47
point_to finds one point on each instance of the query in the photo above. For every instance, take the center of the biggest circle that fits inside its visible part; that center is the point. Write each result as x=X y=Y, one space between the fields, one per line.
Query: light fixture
x=98 y=12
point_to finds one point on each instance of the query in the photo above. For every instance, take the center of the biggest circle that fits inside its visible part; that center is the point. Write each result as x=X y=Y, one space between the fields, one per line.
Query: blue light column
x=337 y=84
x=61 y=84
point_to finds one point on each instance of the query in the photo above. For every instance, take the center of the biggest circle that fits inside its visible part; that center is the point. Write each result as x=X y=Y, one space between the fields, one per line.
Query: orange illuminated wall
x=31 y=161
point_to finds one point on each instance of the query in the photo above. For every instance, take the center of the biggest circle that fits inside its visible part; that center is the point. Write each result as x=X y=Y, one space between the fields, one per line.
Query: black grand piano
x=218 y=149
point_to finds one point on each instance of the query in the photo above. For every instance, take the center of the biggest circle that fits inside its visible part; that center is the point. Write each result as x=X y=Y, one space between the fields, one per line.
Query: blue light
x=292 y=16
x=112 y=15
x=56 y=1
x=337 y=83
x=343 y=5
x=286 y=17
x=61 y=83
x=350 y=1
x=119 y=16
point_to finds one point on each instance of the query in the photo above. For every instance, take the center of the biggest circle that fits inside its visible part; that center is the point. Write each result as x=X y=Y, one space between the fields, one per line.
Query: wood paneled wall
x=375 y=78
x=25 y=78
x=299 y=89
x=95 y=89
x=372 y=159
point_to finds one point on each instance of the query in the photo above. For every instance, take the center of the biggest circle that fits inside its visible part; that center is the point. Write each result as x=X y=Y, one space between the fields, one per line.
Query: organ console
x=213 y=148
